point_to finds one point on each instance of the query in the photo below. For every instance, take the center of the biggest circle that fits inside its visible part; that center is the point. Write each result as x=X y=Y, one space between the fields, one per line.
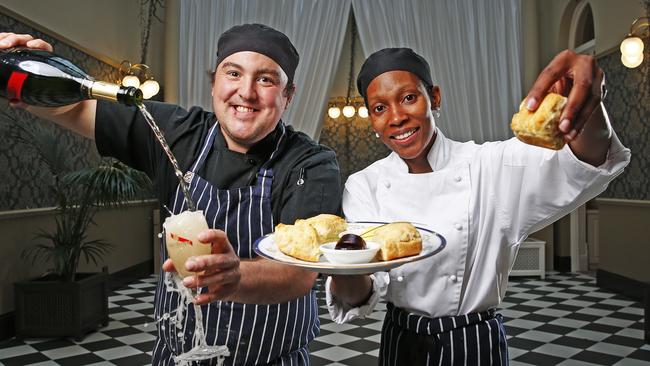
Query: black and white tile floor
x=562 y=320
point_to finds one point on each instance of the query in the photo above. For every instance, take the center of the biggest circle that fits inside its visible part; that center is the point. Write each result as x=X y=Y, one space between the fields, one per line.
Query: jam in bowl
x=348 y=255
x=350 y=242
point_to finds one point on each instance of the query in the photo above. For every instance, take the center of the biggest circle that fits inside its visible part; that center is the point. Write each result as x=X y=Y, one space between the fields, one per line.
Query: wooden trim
x=67 y=41
x=12 y=214
x=608 y=51
x=622 y=202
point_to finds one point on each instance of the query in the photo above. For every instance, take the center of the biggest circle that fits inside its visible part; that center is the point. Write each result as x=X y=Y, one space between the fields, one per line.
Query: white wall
x=105 y=28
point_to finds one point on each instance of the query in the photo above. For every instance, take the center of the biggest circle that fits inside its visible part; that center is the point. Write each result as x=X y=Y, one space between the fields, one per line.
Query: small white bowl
x=349 y=256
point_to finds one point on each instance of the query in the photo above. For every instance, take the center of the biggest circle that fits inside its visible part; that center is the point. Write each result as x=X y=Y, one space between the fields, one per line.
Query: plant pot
x=46 y=307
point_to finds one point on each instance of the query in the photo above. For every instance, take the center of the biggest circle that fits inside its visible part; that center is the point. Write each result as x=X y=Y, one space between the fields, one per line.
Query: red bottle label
x=15 y=86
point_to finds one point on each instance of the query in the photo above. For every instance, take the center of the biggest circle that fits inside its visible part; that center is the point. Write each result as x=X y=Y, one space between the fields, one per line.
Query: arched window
x=581 y=32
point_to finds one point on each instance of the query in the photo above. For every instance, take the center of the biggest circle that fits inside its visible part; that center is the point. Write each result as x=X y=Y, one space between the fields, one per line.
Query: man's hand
x=575 y=76
x=8 y=40
x=222 y=276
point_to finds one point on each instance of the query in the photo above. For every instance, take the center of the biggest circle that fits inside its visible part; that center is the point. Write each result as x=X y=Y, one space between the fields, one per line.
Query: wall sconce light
x=138 y=76
x=632 y=45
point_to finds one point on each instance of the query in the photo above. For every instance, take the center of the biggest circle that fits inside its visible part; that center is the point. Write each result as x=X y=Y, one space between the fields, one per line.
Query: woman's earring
x=377 y=134
x=436 y=112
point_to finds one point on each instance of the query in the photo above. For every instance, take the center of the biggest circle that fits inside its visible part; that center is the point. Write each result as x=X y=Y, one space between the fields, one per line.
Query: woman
x=484 y=199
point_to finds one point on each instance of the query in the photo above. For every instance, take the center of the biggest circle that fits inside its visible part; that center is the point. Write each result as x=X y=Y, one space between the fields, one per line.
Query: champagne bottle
x=41 y=78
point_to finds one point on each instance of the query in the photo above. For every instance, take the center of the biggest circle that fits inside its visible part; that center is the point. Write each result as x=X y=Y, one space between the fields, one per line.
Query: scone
x=299 y=241
x=327 y=226
x=397 y=240
x=541 y=128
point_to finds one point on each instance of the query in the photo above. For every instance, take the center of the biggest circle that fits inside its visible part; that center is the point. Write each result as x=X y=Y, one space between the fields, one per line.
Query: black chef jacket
x=122 y=132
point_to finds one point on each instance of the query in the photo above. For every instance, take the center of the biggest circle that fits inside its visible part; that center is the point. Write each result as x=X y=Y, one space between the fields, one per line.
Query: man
x=247 y=171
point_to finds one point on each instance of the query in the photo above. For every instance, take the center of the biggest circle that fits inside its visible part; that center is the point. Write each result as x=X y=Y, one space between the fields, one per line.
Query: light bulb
x=348 y=111
x=334 y=112
x=631 y=62
x=363 y=112
x=131 y=80
x=149 y=88
x=631 y=47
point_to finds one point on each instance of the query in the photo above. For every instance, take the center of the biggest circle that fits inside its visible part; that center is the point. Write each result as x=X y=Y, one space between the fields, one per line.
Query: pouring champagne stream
x=181 y=241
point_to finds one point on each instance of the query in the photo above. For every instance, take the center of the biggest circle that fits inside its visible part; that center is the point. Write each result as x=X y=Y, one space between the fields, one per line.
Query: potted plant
x=64 y=302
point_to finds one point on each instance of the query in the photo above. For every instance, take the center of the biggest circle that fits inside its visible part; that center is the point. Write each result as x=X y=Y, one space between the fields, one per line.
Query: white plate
x=432 y=243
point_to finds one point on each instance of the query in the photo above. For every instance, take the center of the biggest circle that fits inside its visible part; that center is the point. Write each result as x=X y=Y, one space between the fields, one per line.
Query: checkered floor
x=562 y=320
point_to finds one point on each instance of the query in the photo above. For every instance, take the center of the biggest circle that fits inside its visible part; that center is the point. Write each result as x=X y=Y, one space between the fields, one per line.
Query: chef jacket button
x=453 y=278
x=400 y=278
x=387 y=184
x=458 y=226
x=458 y=178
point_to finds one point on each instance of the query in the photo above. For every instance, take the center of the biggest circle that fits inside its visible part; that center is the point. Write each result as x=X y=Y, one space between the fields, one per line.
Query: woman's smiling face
x=401 y=113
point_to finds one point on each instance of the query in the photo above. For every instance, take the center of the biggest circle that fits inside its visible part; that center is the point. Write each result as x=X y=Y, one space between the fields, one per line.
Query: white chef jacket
x=485 y=200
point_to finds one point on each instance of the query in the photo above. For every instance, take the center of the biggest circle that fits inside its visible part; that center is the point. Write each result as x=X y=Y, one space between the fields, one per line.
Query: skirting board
x=637 y=290
x=562 y=264
x=117 y=280
x=629 y=287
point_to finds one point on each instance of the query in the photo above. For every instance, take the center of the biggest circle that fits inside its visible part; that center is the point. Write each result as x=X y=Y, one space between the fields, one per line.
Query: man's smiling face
x=248 y=96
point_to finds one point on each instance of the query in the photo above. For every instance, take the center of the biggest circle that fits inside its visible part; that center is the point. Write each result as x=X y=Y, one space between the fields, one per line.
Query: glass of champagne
x=181 y=233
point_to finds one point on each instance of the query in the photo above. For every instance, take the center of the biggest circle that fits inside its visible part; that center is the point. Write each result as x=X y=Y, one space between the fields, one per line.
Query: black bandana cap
x=261 y=39
x=391 y=59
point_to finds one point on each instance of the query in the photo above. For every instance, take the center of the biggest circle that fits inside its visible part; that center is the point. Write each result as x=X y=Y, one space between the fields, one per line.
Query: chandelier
x=348 y=106
x=139 y=76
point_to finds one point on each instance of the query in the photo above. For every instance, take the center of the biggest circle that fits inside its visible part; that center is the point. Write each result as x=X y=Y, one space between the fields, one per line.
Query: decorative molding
x=622 y=202
x=45 y=211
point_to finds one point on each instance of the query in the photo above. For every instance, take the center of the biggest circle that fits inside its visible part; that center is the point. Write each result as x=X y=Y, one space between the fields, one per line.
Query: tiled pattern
x=562 y=320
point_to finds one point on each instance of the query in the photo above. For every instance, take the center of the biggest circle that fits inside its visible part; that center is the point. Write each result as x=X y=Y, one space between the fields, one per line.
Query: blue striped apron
x=472 y=339
x=254 y=334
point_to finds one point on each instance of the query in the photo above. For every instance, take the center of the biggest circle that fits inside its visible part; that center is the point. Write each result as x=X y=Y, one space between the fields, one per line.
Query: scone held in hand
x=541 y=128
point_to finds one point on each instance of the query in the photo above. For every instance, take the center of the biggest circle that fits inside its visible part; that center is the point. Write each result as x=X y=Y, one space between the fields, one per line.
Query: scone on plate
x=299 y=241
x=327 y=226
x=397 y=240
x=541 y=127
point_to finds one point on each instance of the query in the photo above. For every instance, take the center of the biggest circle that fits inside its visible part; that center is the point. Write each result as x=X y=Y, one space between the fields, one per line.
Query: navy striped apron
x=472 y=339
x=254 y=334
